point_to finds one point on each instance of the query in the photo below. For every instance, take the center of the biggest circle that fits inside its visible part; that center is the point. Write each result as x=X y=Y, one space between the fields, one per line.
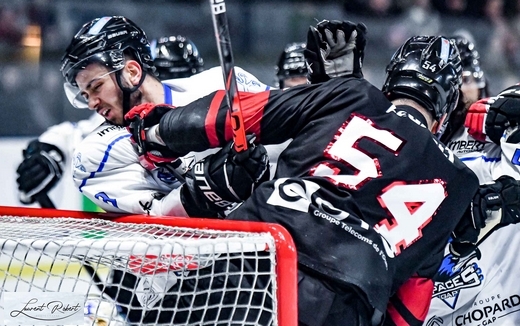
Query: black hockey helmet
x=176 y=57
x=428 y=70
x=471 y=63
x=104 y=40
x=291 y=63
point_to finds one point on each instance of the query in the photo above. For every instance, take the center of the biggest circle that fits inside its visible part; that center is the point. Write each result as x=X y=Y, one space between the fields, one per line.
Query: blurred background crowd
x=34 y=34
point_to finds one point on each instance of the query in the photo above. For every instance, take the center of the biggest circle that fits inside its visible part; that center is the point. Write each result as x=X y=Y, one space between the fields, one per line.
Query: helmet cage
x=476 y=75
x=291 y=63
x=470 y=59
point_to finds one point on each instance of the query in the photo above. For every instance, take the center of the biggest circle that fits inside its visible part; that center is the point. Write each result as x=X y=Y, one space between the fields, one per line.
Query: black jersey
x=369 y=196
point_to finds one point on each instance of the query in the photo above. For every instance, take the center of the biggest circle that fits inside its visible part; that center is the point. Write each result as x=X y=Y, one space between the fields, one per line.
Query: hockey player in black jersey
x=368 y=194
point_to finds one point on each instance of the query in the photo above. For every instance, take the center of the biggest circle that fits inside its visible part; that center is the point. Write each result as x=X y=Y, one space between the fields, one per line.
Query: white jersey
x=482 y=289
x=106 y=167
x=66 y=136
x=481 y=157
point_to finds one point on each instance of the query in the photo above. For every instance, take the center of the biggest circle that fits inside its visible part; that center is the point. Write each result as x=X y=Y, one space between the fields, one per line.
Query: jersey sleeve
x=510 y=158
x=67 y=135
x=274 y=116
x=106 y=170
x=247 y=82
x=494 y=161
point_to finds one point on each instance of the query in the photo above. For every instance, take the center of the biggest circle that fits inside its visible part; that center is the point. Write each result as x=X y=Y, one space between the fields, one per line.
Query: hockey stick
x=220 y=25
x=44 y=201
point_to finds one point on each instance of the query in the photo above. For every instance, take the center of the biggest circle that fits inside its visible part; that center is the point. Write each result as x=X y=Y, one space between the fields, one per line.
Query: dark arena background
x=34 y=34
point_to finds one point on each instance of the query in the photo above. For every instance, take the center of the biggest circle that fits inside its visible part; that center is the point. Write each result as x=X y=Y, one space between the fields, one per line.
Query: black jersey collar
x=411 y=111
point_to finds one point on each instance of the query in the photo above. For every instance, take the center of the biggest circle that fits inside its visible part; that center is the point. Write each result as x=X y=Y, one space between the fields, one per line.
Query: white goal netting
x=144 y=274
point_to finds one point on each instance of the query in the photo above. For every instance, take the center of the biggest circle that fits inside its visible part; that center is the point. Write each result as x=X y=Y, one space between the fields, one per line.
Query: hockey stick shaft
x=44 y=201
x=221 y=27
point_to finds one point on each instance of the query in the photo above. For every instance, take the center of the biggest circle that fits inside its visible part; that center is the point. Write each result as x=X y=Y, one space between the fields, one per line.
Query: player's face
x=99 y=87
x=469 y=88
x=294 y=81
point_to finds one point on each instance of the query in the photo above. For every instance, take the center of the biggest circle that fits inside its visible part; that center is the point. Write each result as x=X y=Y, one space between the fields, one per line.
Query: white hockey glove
x=40 y=170
x=335 y=49
x=494 y=206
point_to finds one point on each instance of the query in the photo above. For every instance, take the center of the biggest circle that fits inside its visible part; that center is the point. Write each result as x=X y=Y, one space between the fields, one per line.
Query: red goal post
x=256 y=260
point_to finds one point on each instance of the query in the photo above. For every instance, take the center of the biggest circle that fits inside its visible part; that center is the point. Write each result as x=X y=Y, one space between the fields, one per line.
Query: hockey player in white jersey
x=482 y=288
x=460 y=135
x=47 y=159
x=108 y=68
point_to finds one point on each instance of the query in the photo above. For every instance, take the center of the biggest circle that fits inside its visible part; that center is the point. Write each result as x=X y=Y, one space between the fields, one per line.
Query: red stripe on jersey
x=253 y=105
x=416 y=296
x=211 y=118
x=396 y=318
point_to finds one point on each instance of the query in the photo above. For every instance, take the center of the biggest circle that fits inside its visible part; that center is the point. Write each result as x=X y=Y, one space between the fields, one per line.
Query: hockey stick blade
x=220 y=25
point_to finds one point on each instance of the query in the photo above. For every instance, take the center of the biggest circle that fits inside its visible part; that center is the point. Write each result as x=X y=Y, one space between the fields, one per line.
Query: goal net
x=143 y=270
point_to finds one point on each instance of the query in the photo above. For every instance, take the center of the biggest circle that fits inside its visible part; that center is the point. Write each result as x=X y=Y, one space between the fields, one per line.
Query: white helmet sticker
x=99 y=25
x=445 y=49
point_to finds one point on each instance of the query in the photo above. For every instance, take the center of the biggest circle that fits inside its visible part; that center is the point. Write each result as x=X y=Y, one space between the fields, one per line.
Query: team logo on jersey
x=454 y=276
x=434 y=321
x=108 y=129
x=166 y=176
x=465 y=146
x=301 y=195
x=243 y=79
x=107 y=200
x=77 y=163
x=147 y=205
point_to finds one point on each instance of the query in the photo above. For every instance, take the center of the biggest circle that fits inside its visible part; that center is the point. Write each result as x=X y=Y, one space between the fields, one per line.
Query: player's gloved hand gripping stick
x=219 y=181
x=215 y=183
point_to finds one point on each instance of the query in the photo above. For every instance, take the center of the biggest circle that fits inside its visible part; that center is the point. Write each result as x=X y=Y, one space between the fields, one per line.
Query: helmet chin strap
x=127 y=91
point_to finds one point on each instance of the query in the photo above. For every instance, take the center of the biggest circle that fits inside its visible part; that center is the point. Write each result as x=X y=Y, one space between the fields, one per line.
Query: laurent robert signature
x=52 y=310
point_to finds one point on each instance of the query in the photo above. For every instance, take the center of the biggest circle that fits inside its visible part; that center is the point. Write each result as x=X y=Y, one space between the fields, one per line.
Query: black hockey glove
x=335 y=49
x=222 y=179
x=494 y=206
x=138 y=120
x=504 y=113
x=40 y=170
